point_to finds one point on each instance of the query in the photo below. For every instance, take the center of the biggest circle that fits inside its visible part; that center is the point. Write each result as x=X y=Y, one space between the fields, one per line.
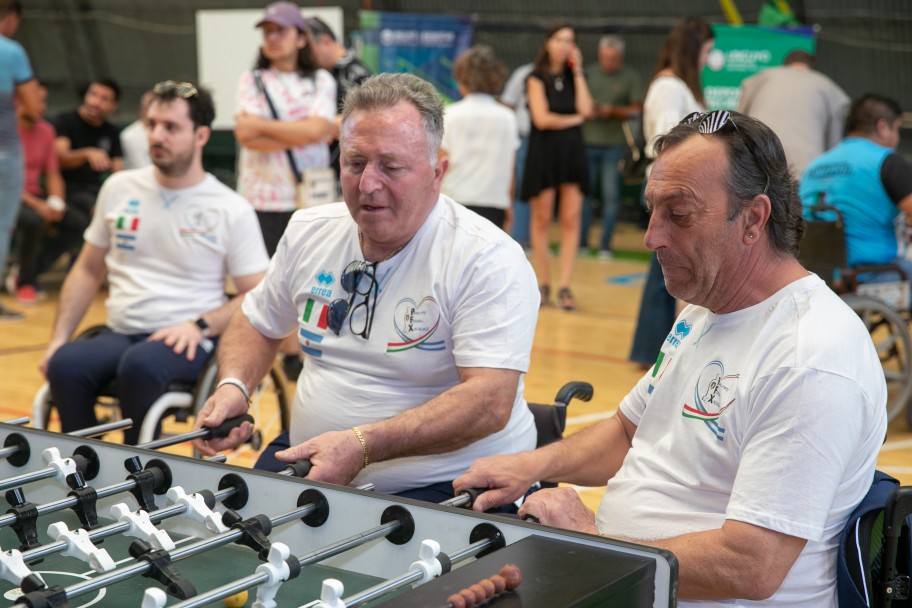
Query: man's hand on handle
x=560 y=508
x=504 y=478
x=337 y=456
x=226 y=402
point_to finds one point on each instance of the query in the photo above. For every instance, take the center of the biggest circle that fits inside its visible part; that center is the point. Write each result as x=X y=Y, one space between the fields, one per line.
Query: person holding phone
x=559 y=101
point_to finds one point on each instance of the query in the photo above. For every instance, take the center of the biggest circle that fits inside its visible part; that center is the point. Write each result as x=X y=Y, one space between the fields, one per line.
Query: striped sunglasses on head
x=711 y=122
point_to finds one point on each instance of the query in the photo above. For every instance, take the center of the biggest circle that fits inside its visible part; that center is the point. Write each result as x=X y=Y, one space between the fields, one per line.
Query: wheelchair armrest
x=90 y=332
x=866 y=268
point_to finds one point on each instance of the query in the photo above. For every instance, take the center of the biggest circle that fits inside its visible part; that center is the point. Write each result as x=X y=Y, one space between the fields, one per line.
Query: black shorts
x=492 y=214
x=272 y=225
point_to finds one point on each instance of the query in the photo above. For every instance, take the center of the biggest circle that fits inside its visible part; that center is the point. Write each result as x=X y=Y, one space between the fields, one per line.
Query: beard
x=175 y=165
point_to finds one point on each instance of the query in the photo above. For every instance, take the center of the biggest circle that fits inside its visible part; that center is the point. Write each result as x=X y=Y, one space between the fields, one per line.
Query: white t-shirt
x=772 y=415
x=480 y=139
x=134 y=141
x=461 y=293
x=266 y=178
x=668 y=100
x=168 y=251
x=514 y=95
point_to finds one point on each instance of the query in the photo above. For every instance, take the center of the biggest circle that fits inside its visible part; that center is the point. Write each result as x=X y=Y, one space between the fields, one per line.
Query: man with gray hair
x=416 y=315
x=618 y=95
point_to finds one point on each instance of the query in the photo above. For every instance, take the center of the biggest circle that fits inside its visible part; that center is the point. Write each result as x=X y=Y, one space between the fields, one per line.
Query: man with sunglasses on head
x=416 y=316
x=165 y=236
x=746 y=447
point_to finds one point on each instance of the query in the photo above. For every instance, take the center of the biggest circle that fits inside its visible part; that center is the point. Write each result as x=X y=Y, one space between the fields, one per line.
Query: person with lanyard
x=416 y=316
x=286 y=109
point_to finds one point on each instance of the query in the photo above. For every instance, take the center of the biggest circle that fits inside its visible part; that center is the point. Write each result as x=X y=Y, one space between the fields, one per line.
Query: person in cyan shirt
x=868 y=182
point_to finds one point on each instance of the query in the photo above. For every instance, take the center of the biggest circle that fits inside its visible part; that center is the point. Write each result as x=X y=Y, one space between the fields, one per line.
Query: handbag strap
x=259 y=82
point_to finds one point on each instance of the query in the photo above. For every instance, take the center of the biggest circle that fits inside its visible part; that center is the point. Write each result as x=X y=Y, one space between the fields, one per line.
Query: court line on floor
x=895 y=470
x=580 y=355
x=17 y=350
x=587 y=418
x=891 y=446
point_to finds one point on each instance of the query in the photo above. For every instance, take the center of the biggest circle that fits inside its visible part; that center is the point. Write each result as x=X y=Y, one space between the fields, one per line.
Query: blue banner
x=423 y=45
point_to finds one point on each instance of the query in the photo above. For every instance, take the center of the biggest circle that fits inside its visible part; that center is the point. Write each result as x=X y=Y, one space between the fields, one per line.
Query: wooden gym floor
x=590 y=344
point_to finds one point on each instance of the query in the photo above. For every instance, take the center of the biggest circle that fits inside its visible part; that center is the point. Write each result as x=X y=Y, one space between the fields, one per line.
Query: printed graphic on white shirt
x=126 y=226
x=415 y=324
x=714 y=393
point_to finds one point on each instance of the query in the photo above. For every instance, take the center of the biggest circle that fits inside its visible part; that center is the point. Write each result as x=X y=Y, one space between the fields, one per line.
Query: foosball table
x=91 y=523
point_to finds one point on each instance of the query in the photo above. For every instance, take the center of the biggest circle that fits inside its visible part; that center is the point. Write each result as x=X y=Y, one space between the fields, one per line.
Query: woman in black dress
x=559 y=102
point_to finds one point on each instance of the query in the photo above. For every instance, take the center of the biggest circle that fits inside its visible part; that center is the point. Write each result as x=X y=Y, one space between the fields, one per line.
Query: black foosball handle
x=205 y=432
x=300 y=468
x=222 y=430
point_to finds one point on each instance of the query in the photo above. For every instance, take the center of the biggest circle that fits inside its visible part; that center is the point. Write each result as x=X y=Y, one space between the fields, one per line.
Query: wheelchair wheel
x=268 y=406
x=890 y=333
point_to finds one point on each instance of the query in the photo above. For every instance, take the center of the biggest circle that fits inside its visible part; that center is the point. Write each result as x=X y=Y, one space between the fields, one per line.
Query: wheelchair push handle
x=573 y=390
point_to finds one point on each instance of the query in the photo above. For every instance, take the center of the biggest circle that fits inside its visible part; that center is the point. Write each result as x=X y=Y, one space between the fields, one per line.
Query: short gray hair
x=384 y=91
x=612 y=41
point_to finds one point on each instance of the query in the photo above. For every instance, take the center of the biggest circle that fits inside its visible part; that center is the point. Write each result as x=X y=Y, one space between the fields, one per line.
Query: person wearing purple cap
x=285 y=117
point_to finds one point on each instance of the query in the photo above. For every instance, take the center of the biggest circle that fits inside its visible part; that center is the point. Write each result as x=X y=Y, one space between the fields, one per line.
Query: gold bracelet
x=363 y=444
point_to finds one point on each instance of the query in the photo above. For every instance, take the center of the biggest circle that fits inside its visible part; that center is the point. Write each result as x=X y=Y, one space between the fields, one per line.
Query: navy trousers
x=144 y=370
x=657 y=315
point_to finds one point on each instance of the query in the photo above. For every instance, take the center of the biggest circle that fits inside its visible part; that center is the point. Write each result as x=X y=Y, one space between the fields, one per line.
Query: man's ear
x=755 y=216
x=202 y=135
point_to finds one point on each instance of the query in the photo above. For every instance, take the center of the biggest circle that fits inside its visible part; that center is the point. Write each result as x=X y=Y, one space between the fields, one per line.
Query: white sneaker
x=11 y=280
x=605 y=254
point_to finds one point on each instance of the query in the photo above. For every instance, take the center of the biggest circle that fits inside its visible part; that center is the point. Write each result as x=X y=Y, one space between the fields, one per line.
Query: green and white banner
x=742 y=51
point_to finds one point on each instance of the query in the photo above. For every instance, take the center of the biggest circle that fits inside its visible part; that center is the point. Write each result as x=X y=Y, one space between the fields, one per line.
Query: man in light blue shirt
x=17 y=82
x=868 y=182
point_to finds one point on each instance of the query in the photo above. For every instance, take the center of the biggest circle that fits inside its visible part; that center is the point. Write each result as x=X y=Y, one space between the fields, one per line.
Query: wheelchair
x=551 y=420
x=269 y=403
x=875 y=549
x=883 y=306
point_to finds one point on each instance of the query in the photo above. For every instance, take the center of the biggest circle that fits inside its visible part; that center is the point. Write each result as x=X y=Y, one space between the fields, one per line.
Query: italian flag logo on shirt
x=314 y=314
x=129 y=223
x=126 y=227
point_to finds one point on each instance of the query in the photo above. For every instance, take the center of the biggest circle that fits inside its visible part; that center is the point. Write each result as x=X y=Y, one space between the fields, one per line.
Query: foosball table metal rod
x=192 y=549
x=18 y=421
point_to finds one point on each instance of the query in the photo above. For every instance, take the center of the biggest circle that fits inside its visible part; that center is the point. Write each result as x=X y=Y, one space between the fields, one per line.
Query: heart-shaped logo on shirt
x=415 y=324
